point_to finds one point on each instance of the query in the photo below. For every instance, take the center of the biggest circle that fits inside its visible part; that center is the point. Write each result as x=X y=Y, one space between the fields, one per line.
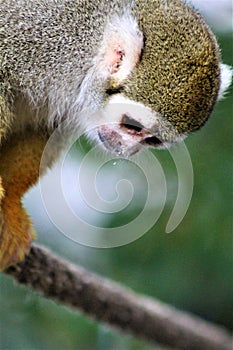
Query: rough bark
x=115 y=305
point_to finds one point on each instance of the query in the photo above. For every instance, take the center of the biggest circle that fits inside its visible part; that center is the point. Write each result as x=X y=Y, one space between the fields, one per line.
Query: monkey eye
x=131 y=124
x=116 y=90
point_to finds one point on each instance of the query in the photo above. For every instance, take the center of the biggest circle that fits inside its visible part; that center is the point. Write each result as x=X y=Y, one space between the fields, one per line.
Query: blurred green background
x=190 y=268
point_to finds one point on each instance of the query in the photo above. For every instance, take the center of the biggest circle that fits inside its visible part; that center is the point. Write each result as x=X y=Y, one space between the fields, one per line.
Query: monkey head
x=162 y=76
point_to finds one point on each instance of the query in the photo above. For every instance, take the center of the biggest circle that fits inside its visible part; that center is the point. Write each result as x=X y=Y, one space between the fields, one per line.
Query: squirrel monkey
x=62 y=61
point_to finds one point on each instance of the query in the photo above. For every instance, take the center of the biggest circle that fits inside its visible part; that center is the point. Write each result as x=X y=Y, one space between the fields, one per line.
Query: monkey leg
x=19 y=169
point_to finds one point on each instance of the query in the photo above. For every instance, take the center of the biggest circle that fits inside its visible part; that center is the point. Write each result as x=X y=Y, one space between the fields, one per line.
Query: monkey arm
x=19 y=170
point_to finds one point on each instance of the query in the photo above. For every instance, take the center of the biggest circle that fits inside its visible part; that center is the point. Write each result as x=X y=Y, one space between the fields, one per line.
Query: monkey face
x=127 y=125
x=163 y=77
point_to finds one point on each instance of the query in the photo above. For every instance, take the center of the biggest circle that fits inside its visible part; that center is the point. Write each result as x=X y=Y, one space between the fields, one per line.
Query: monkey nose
x=131 y=125
x=136 y=129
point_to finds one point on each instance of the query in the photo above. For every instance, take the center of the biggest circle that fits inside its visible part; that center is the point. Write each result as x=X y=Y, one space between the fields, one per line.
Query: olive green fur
x=184 y=83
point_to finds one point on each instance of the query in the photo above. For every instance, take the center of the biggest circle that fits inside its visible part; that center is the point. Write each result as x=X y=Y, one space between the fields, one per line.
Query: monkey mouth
x=116 y=143
x=127 y=138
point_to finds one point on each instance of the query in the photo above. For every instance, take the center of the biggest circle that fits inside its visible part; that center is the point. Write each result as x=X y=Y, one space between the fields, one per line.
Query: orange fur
x=19 y=169
x=1 y=190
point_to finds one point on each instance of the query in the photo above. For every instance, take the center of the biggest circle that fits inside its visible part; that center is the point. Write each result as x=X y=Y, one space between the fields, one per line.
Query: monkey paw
x=15 y=240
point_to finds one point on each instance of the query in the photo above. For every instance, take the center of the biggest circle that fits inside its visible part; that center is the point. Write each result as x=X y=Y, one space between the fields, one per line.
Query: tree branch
x=115 y=305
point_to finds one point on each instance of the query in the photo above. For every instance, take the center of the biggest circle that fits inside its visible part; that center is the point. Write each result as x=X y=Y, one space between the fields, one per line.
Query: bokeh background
x=190 y=268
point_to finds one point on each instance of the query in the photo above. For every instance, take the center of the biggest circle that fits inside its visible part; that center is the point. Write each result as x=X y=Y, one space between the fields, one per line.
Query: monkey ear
x=114 y=59
x=121 y=49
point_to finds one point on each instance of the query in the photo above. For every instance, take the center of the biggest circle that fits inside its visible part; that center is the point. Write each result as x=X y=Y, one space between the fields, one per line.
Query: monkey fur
x=63 y=61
